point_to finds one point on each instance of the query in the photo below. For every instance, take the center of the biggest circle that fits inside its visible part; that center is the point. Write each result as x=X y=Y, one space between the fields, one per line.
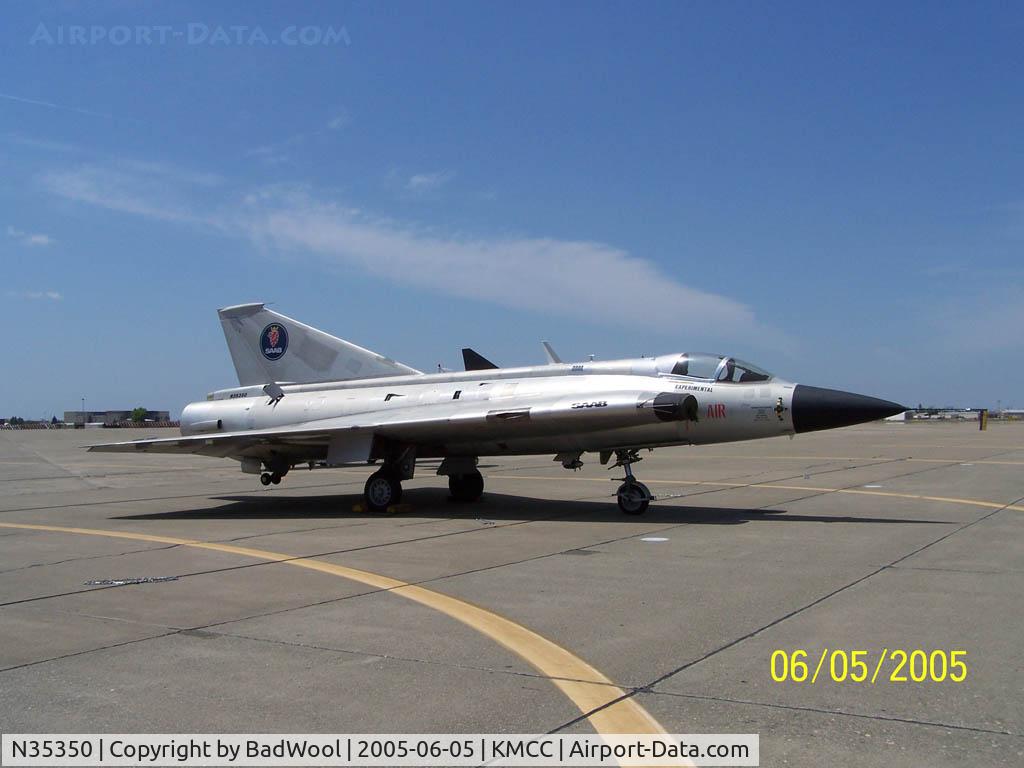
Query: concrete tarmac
x=533 y=605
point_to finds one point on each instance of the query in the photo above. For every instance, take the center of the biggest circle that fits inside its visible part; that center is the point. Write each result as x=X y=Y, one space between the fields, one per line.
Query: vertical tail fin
x=269 y=347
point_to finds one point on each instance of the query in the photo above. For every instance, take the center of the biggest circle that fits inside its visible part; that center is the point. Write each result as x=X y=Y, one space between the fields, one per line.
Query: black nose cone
x=817 y=408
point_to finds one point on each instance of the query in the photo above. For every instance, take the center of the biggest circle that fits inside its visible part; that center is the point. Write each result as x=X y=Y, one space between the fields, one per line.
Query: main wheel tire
x=382 y=490
x=275 y=478
x=468 y=487
x=265 y=478
x=633 y=498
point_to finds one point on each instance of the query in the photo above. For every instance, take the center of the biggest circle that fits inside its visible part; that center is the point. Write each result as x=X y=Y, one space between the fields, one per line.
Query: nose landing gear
x=633 y=496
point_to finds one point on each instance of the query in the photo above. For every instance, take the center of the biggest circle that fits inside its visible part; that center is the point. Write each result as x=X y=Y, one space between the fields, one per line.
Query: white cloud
x=172 y=173
x=28 y=238
x=339 y=121
x=279 y=151
x=271 y=154
x=426 y=182
x=49 y=295
x=51 y=105
x=37 y=143
x=944 y=270
x=593 y=281
x=118 y=190
x=584 y=279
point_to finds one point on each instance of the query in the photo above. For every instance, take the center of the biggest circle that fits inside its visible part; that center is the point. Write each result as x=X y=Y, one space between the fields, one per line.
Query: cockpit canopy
x=700 y=365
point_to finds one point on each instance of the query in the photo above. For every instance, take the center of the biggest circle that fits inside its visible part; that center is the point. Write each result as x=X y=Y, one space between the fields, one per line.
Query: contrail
x=51 y=105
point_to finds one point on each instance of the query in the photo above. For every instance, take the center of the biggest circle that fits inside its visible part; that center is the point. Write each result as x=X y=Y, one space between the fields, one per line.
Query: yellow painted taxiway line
x=774 y=486
x=584 y=685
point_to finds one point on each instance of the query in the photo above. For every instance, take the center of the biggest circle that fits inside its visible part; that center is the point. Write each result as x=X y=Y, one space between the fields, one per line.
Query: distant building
x=111 y=417
x=945 y=414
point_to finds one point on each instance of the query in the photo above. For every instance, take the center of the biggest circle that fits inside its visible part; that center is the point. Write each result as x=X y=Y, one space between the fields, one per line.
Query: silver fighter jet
x=306 y=398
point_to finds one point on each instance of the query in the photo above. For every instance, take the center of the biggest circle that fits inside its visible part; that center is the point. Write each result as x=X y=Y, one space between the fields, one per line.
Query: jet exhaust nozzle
x=817 y=408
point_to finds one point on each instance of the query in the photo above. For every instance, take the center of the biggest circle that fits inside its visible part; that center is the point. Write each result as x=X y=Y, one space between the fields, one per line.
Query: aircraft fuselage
x=310 y=398
x=554 y=408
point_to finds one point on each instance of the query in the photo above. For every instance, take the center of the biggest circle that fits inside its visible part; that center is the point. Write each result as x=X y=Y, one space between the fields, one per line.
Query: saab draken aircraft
x=308 y=399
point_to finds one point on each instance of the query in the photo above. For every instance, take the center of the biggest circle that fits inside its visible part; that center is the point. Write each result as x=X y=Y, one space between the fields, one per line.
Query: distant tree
x=17 y=420
x=53 y=420
x=138 y=414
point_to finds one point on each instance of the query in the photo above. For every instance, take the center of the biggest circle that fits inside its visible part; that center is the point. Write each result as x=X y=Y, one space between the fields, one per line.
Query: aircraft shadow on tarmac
x=494 y=507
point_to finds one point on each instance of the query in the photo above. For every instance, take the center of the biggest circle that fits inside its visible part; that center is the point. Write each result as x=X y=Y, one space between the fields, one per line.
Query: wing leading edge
x=437 y=425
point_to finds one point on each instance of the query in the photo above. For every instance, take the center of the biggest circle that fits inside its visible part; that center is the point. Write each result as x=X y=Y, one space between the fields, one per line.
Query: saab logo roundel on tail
x=274 y=341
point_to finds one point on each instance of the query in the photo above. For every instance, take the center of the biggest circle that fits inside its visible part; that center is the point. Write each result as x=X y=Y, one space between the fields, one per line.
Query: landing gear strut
x=633 y=496
x=467 y=487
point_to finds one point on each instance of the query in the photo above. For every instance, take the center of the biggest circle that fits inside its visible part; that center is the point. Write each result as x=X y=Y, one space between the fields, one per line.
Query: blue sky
x=833 y=191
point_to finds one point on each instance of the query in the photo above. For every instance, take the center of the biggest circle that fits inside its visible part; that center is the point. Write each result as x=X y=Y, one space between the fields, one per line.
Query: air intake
x=672 y=406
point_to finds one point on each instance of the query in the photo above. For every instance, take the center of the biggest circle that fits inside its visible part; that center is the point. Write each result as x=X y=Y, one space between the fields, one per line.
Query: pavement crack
x=87 y=651
x=250 y=536
x=84 y=558
x=841 y=712
x=174 y=497
x=121 y=620
x=397 y=657
x=978 y=571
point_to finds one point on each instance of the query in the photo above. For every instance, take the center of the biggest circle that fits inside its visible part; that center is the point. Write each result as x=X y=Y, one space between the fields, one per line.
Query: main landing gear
x=633 y=496
x=466 y=487
x=274 y=475
x=382 y=490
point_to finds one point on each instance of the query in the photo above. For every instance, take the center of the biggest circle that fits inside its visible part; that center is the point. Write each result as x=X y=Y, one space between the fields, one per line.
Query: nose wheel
x=633 y=496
